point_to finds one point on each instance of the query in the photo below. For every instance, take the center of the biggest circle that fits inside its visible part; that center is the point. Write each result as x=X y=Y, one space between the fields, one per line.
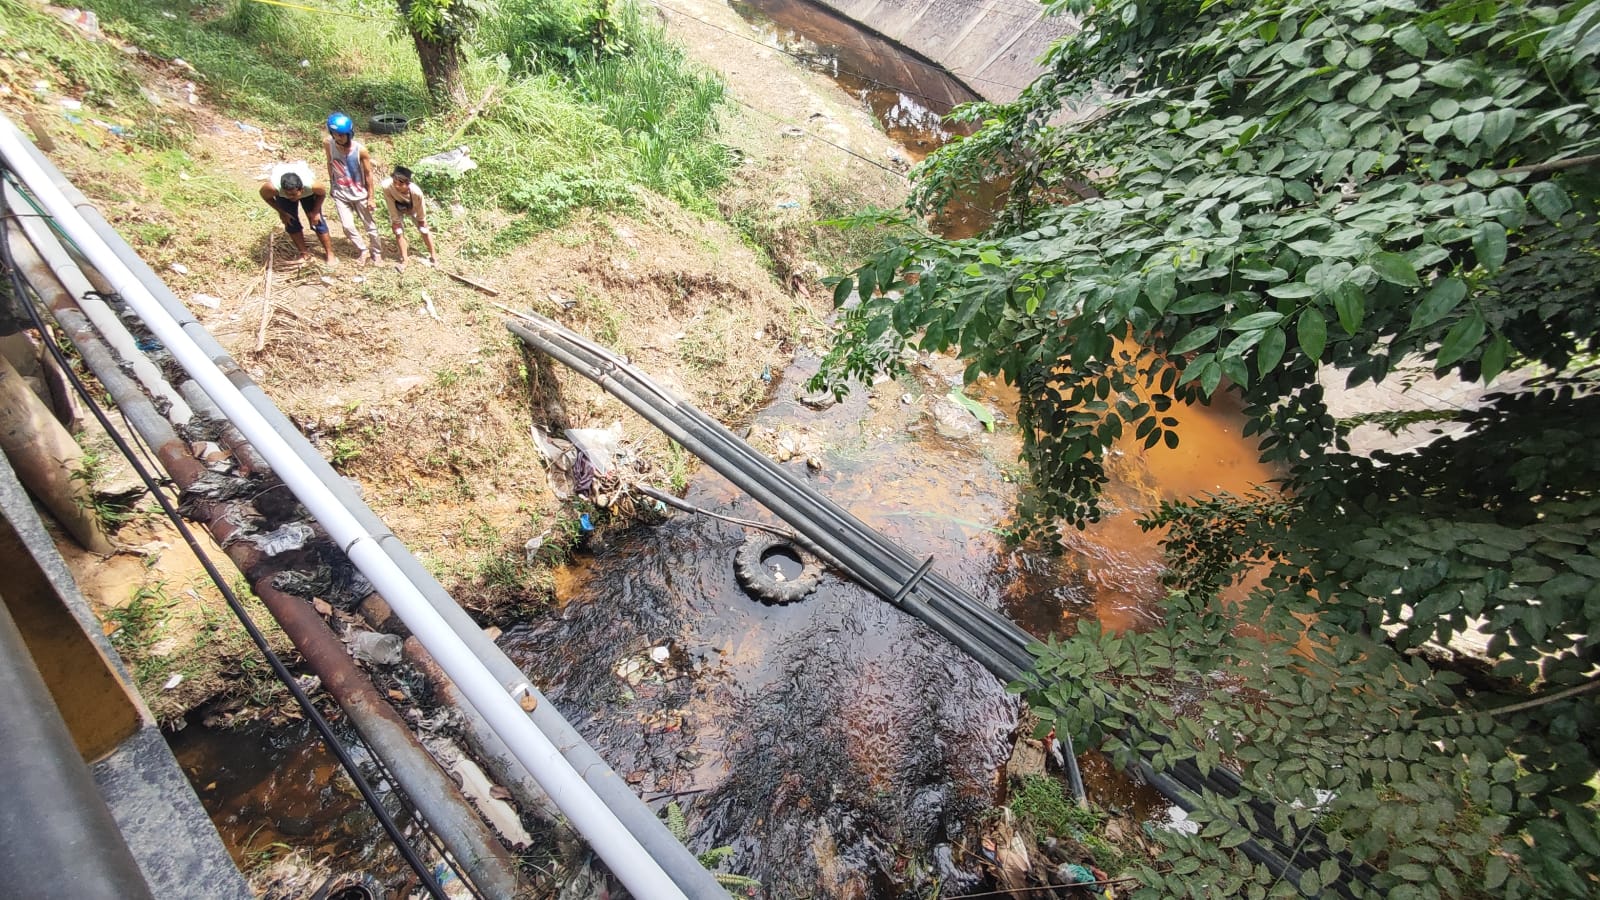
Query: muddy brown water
x=836 y=746
x=833 y=747
x=273 y=790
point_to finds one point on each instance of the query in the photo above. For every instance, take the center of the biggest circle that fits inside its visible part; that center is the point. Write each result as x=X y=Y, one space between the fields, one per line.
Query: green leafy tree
x=1238 y=196
x=439 y=29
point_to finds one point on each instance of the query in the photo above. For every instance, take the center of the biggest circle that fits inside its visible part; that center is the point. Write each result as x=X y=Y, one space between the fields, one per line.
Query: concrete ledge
x=992 y=46
x=162 y=822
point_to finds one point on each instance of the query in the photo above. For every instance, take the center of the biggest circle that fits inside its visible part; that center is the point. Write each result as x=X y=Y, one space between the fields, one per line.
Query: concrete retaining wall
x=992 y=46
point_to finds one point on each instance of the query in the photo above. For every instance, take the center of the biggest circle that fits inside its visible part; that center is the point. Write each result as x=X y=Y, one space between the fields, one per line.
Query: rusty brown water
x=910 y=96
x=272 y=791
x=837 y=747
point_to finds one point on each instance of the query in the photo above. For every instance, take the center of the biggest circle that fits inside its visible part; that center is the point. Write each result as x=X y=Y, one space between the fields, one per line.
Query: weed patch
x=250 y=55
x=88 y=67
x=1040 y=802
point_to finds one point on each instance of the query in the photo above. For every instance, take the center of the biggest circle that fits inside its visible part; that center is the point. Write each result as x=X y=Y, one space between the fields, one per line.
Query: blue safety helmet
x=339 y=123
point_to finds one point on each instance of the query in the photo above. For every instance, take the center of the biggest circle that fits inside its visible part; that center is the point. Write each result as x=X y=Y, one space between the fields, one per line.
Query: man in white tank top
x=350 y=184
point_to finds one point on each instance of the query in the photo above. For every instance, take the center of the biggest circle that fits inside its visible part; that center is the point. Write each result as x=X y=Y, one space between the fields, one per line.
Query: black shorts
x=290 y=210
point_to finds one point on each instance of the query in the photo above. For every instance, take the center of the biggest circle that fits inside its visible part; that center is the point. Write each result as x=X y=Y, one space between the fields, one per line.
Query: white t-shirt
x=297 y=167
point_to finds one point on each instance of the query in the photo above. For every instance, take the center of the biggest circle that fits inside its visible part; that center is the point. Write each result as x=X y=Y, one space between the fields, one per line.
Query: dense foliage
x=1240 y=196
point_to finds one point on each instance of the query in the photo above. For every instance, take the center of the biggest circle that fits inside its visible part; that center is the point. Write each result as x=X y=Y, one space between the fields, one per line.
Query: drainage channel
x=851 y=546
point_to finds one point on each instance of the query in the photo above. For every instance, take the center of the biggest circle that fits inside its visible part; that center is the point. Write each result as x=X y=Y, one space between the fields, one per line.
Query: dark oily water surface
x=836 y=745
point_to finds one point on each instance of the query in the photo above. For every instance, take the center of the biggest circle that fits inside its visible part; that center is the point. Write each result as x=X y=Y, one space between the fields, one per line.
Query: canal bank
x=991 y=46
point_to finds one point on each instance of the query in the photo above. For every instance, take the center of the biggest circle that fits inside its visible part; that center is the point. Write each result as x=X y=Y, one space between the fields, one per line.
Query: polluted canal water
x=836 y=747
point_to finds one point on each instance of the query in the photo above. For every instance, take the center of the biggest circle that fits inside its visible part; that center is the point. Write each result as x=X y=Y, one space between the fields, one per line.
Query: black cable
x=598 y=363
x=243 y=615
x=428 y=834
x=868 y=160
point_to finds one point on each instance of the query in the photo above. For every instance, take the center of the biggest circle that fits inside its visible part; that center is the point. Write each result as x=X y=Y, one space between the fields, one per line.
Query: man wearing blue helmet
x=350 y=184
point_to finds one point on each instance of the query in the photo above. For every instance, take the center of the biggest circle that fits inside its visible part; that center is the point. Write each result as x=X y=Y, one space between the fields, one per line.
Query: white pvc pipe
x=100 y=315
x=626 y=858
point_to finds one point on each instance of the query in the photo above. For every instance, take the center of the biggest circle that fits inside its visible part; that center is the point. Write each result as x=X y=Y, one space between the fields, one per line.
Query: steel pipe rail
x=432 y=791
x=627 y=859
x=101 y=315
x=614 y=792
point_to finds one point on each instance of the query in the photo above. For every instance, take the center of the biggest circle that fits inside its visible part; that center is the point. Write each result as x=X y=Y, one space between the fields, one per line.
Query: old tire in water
x=755 y=567
x=387 y=123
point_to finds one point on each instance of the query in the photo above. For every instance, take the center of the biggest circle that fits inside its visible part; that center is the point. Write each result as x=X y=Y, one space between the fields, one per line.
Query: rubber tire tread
x=757 y=579
x=387 y=123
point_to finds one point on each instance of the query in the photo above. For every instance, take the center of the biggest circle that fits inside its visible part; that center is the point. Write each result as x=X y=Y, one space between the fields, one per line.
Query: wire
x=688 y=507
x=816 y=137
x=243 y=615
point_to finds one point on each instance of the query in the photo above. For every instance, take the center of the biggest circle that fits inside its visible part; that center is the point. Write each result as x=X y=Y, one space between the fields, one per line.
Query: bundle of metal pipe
x=486 y=864
x=888 y=569
x=637 y=846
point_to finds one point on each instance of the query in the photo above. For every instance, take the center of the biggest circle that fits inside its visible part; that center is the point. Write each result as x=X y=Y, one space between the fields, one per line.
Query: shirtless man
x=291 y=188
x=402 y=197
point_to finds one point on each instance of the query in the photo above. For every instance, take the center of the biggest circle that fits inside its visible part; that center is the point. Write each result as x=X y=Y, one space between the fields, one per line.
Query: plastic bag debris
x=84 y=19
x=292 y=536
x=559 y=457
x=455 y=162
x=601 y=445
x=375 y=648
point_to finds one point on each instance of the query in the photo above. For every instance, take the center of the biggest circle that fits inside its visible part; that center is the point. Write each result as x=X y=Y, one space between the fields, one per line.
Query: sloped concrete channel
x=991 y=46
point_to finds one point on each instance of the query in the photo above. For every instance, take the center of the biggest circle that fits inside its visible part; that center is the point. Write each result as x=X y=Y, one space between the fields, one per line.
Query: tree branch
x=1547 y=698
x=1575 y=162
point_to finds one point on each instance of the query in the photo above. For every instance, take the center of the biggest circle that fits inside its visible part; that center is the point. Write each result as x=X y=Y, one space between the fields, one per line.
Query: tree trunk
x=46 y=458
x=441 y=69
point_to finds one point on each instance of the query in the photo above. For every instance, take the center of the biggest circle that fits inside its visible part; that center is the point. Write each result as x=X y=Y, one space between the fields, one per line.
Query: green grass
x=247 y=56
x=92 y=69
x=139 y=621
x=1040 y=801
x=573 y=123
